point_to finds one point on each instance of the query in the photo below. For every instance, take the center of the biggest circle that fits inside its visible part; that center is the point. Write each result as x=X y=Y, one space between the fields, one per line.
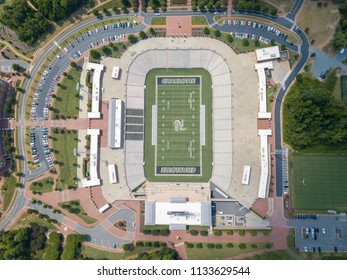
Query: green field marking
x=176 y=144
x=318 y=182
x=178 y=124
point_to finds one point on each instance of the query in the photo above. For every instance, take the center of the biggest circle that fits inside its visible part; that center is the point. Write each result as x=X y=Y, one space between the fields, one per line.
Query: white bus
x=113 y=173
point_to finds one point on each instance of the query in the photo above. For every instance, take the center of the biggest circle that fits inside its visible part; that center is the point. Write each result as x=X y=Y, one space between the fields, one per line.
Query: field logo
x=179 y=125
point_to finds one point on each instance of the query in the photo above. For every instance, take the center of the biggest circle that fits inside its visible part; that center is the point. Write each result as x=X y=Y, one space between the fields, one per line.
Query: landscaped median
x=65 y=141
x=8 y=190
x=75 y=207
x=66 y=100
x=42 y=186
x=217 y=250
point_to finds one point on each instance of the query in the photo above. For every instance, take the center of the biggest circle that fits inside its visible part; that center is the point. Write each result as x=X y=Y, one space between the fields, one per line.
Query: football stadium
x=183 y=134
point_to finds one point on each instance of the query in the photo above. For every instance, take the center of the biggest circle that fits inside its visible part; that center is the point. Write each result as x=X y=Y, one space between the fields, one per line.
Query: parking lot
x=257 y=27
x=319 y=233
x=74 y=49
x=39 y=146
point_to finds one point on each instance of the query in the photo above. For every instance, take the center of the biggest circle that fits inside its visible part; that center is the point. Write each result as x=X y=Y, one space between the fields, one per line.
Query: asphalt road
x=97 y=233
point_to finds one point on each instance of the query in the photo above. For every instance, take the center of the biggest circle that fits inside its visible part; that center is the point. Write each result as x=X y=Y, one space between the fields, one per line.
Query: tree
x=201 y=6
x=312 y=116
x=206 y=31
x=242 y=232
x=15 y=67
x=132 y=39
x=340 y=40
x=142 y=35
x=152 y=31
x=115 y=9
x=273 y=11
x=105 y=49
x=242 y=246
x=95 y=54
x=245 y=42
x=73 y=64
x=96 y=13
x=283 y=47
x=209 y=6
x=272 y=42
x=105 y=11
x=257 y=43
x=230 y=38
x=217 y=33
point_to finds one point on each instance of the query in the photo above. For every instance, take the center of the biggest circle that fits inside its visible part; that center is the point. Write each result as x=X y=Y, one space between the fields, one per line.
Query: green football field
x=318 y=181
x=178 y=130
x=180 y=152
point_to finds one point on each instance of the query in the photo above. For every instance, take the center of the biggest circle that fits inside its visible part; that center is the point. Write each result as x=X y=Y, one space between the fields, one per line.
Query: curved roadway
x=287 y=21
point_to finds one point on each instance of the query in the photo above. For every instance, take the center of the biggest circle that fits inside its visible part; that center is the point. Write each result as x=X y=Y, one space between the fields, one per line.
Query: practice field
x=318 y=181
x=178 y=125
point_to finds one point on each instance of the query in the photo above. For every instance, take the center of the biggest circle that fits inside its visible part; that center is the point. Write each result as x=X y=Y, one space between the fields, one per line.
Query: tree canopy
x=164 y=254
x=31 y=22
x=312 y=116
x=340 y=37
x=23 y=243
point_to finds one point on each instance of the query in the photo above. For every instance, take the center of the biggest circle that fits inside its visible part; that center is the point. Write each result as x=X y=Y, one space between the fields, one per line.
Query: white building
x=115 y=124
x=93 y=159
x=98 y=68
x=269 y=53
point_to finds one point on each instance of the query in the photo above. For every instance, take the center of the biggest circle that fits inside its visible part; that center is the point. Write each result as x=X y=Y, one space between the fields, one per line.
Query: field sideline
x=178 y=144
x=318 y=181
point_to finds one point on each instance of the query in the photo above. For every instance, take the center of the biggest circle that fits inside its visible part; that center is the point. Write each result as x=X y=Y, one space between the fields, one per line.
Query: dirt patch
x=320 y=21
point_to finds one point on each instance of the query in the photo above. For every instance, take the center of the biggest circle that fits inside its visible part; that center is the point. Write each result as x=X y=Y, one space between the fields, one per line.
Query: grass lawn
x=113 y=50
x=45 y=185
x=237 y=43
x=318 y=181
x=65 y=144
x=269 y=98
x=283 y=4
x=277 y=255
x=178 y=146
x=199 y=20
x=109 y=5
x=97 y=254
x=8 y=191
x=344 y=89
x=158 y=20
x=292 y=57
x=66 y=102
x=76 y=204
x=25 y=219
x=156 y=227
x=223 y=253
x=320 y=21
